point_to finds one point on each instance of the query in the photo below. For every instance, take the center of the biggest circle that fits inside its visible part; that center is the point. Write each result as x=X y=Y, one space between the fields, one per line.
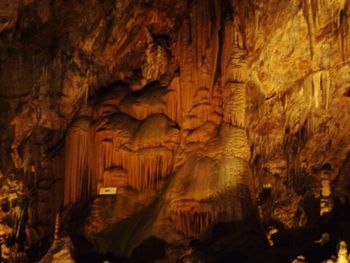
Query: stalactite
x=77 y=175
x=186 y=60
x=343 y=25
x=195 y=217
x=172 y=100
x=198 y=53
x=309 y=17
x=103 y=159
x=283 y=97
x=325 y=79
x=321 y=14
x=316 y=89
x=194 y=220
x=145 y=168
x=234 y=67
x=134 y=150
x=58 y=174
x=234 y=71
x=227 y=45
x=206 y=185
x=215 y=39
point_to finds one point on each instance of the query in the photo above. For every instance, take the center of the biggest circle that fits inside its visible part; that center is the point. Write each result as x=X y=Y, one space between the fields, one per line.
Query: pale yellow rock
x=60 y=251
x=342 y=253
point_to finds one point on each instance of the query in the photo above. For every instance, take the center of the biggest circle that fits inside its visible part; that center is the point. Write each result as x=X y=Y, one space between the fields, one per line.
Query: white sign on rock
x=108 y=191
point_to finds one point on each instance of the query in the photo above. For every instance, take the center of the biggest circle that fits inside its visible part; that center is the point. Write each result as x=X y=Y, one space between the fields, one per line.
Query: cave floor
x=241 y=242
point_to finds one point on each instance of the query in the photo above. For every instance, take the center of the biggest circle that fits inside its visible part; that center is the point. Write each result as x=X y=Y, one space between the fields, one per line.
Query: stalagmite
x=235 y=141
x=299 y=259
x=342 y=253
x=234 y=104
x=269 y=233
x=326 y=202
x=57 y=228
x=325 y=238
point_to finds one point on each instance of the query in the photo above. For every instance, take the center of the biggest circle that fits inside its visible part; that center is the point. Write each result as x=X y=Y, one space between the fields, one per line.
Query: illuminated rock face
x=188 y=108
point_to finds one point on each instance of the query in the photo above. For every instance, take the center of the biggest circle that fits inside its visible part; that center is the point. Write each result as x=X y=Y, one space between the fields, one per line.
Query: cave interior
x=174 y=131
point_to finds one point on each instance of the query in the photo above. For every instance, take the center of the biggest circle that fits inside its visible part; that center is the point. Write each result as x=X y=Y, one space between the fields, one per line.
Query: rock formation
x=198 y=113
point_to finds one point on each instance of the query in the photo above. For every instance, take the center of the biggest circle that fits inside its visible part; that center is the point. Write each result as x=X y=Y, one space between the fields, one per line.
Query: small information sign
x=108 y=191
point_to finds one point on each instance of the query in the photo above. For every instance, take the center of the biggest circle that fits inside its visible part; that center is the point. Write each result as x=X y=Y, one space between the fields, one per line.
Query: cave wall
x=190 y=108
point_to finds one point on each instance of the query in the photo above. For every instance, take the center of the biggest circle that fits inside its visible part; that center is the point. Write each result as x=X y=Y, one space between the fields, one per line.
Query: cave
x=174 y=131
